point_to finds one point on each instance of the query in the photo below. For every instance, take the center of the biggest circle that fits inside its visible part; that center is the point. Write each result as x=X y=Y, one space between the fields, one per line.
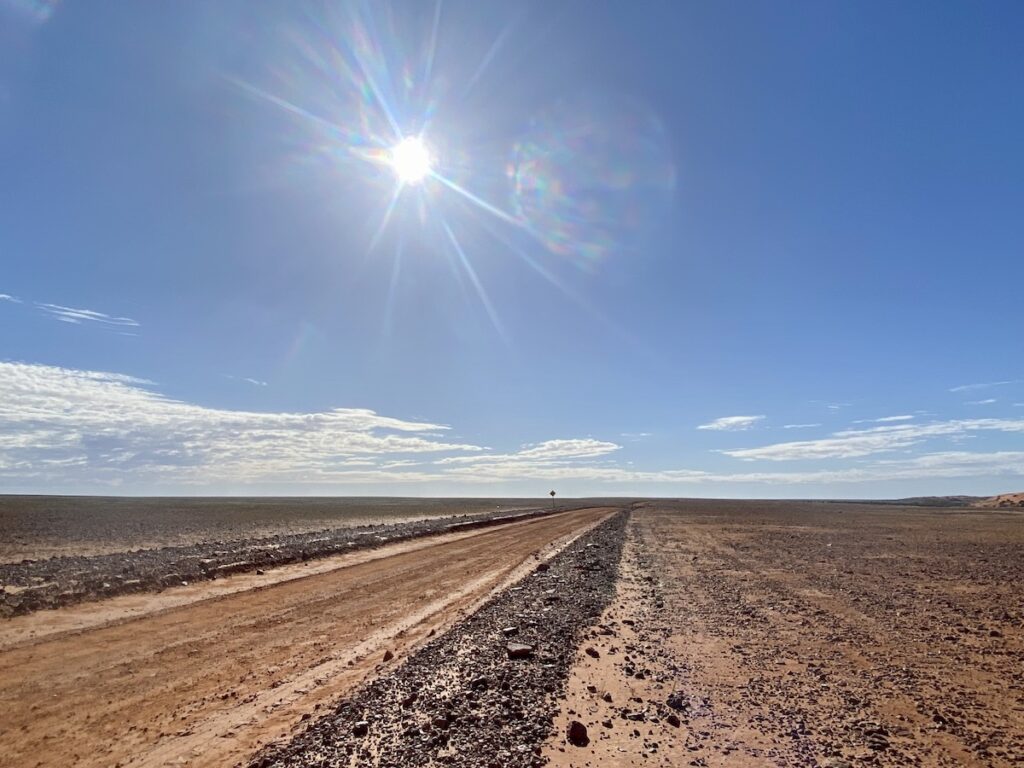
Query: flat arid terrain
x=640 y=633
x=45 y=526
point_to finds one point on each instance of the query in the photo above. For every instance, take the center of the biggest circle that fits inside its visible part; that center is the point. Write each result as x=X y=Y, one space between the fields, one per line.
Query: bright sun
x=410 y=160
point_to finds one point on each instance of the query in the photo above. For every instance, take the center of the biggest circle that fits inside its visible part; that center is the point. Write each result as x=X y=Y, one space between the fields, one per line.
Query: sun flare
x=410 y=160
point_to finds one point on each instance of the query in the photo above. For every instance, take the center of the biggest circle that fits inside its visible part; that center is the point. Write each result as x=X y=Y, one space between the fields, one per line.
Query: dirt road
x=208 y=682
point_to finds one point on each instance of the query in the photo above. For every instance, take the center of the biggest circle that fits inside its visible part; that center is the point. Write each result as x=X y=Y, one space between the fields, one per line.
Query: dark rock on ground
x=576 y=734
x=519 y=650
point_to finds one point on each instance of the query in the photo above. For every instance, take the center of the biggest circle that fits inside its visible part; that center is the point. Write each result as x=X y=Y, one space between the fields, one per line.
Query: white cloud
x=800 y=426
x=550 y=460
x=884 y=419
x=732 y=423
x=635 y=436
x=947 y=464
x=78 y=316
x=60 y=427
x=254 y=382
x=986 y=385
x=8 y=297
x=57 y=422
x=864 y=442
x=247 y=380
x=541 y=453
x=926 y=467
x=987 y=401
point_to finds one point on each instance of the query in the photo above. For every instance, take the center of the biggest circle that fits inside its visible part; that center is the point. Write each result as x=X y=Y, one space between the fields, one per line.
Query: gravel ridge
x=485 y=692
x=33 y=585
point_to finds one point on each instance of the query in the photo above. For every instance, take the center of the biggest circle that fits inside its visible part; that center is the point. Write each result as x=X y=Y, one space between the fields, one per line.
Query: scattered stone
x=519 y=650
x=678 y=701
x=576 y=734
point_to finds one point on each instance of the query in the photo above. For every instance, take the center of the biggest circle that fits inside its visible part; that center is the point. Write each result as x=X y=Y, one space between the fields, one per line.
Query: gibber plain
x=465 y=632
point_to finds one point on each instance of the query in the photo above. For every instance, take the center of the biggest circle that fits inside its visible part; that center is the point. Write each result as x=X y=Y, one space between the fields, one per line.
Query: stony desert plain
x=604 y=632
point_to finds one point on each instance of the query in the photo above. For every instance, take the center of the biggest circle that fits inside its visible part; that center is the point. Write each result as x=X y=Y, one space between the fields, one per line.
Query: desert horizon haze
x=471 y=249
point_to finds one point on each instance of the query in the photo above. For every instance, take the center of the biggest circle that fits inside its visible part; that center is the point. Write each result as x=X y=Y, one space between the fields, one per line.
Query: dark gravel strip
x=463 y=700
x=34 y=585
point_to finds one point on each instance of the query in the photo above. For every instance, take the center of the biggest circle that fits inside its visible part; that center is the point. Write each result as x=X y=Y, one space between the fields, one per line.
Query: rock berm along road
x=212 y=681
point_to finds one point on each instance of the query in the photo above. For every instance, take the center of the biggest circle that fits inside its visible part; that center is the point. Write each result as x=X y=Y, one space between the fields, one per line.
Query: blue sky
x=685 y=249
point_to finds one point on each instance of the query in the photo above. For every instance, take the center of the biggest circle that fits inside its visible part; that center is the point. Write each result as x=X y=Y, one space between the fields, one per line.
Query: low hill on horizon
x=1000 y=501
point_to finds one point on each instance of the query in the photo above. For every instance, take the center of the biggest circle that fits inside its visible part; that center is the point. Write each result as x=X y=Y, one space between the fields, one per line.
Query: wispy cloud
x=947 y=464
x=800 y=426
x=884 y=419
x=985 y=385
x=247 y=380
x=865 y=442
x=635 y=436
x=544 y=453
x=732 y=423
x=8 y=297
x=987 y=401
x=78 y=316
x=63 y=423
x=62 y=426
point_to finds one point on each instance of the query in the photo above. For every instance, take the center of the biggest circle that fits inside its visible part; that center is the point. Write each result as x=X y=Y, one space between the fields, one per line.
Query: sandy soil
x=787 y=634
x=209 y=682
x=1003 y=501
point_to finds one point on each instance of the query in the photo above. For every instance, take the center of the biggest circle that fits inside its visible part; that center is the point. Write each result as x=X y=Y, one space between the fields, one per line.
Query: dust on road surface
x=211 y=681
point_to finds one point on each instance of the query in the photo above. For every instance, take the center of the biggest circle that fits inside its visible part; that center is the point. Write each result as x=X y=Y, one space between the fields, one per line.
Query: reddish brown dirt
x=804 y=634
x=208 y=682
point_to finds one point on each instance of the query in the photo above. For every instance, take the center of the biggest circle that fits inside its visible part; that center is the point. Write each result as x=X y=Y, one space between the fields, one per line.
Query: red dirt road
x=208 y=682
